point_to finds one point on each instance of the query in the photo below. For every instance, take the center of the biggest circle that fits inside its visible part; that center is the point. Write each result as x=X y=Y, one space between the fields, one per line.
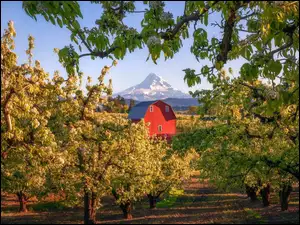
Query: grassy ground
x=200 y=203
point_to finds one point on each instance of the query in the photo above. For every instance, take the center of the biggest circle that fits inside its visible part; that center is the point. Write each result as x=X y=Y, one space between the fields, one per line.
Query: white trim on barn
x=151 y=108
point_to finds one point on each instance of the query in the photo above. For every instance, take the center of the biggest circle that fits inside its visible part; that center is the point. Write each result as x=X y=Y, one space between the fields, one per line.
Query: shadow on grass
x=40 y=207
x=198 y=205
x=181 y=217
x=42 y=218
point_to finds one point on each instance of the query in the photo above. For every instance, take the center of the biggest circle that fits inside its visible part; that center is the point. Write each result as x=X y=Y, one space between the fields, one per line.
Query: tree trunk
x=265 y=194
x=23 y=201
x=284 y=195
x=251 y=192
x=152 y=201
x=127 y=209
x=89 y=208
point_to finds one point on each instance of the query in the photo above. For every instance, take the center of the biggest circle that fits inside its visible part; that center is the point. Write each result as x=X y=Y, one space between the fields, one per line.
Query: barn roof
x=139 y=110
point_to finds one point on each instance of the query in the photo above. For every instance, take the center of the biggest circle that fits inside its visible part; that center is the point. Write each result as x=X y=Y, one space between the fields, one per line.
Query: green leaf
x=203 y=55
x=191 y=78
x=214 y=41
x=59 y=22
x=218 y=65
x=249 y=72
x=246 y=53
x=45 y=16
x=206 y=19
x=278 y=39
x=205 y=70
x=250 y=48
x=200 y=34
x=275 y=66
x=52 y=20
x=258 y=45
x=148 y=57
x=76 y=25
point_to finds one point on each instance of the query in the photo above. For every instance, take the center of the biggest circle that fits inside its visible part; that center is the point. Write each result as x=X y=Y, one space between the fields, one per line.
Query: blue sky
x=130 y=71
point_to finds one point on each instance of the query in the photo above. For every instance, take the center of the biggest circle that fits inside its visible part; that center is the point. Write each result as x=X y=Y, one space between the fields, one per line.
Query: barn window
x=167 y=108
x=151 y=108
x=160 y=128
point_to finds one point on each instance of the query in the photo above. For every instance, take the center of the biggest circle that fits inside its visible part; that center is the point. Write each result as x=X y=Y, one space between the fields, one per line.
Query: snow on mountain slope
x=152 y=88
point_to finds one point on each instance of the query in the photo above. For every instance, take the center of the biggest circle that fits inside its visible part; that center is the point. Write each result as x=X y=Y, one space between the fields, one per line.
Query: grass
x=171 y=199
x=47 y=206
x=254 y=215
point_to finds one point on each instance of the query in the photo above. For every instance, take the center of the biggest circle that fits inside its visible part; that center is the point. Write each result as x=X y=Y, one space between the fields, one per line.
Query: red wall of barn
x=160 y=117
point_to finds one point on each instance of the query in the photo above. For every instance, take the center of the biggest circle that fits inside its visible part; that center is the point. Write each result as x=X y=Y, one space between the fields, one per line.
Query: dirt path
x=200 y=203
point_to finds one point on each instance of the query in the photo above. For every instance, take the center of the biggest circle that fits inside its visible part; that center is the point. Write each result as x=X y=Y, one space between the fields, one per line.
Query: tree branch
x=296 y=112
x=121 y=11
x=101 y=54
x=217 y=24
x=287 y=45
x=6 y=111
x=254 y=32
x=247 y=16
x=86 y=102
x=86 y=54
x=88 y=138
x=138 y=11
x=277 y=164
x=84 y=42
x=108 y=163
x=289 y=30
x=243 y=175
x=194 y=17
x=184 y=11
x=255 y=90
x=251 y=135
x=160 y=192
x=228 y=30
x=248 y=39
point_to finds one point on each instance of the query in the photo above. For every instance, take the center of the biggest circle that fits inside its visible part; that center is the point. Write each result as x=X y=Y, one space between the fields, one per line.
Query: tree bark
x=89 y=208
x=152 y=201
x=127 y=209
x=23 y=201
x=226 y=46
x=251 y=192
x=265 y=194
x=284 y=195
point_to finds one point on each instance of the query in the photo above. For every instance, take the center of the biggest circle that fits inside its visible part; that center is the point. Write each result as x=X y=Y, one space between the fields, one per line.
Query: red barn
x=160 y=115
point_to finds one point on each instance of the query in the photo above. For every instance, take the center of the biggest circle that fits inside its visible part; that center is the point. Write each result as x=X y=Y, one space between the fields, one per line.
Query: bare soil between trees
x=200 y=203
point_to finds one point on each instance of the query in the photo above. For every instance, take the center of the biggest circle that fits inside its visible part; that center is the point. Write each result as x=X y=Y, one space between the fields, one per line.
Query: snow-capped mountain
x=152 y=88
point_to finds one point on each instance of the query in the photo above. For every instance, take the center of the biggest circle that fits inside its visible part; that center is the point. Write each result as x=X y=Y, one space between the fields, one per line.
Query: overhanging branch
x=228 y=31
x=278 y=164
x=168 y=35
x=185 y=19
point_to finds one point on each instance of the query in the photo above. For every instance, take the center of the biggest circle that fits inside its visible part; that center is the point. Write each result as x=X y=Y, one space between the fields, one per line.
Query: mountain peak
x=151 y=80
x=153 y=76
x=152 y=88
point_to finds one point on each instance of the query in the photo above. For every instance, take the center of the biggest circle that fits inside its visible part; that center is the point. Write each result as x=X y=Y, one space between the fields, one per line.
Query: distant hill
x=181 y=101
x=178 y=104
